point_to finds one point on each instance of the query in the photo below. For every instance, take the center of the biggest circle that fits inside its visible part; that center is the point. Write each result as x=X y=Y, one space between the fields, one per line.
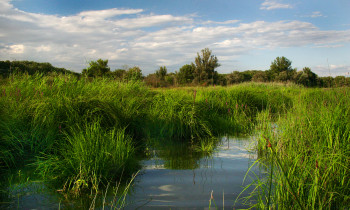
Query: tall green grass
x=53 y=118
x=83 y=133
x=91 y=153
x=307 y=153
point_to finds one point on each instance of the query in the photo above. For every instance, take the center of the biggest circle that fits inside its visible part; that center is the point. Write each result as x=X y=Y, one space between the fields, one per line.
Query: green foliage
x=185 y=74
x=118 y=74
x=30 y=67
x=97 y=68
x=306 y=78
x=87 y=132
x=260 y=77
x=161 y=73
x=309 y=151
x=170 y=79
x=134 y=74
x=89 y=156
x=235 y=77
x=205 y=64
x=341 y=81
x=280 y=64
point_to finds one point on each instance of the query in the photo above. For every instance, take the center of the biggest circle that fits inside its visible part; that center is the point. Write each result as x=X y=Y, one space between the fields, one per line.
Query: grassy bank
x=81 y=134
x=306 y=153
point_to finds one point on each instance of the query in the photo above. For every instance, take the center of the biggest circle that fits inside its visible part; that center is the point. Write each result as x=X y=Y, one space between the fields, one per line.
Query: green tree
x=97 y=68
x=205 y=65
x=281 y=64
x=118 y=74
x=260 y=76
x=185 y=74
x=161 y=73
x=235 y=77
x=327 y=82
x=340 y=81
x=281 y=69
x=152 y=80
x=134 y=74
x=30 y=67
x=310 y=78
x=170 y=79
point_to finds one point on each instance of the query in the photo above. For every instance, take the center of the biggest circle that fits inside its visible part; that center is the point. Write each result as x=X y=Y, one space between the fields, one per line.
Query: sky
x=243 y=34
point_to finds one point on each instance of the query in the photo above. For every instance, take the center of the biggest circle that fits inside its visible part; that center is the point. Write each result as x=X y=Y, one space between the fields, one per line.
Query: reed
x=83 y=133
x=306 y=153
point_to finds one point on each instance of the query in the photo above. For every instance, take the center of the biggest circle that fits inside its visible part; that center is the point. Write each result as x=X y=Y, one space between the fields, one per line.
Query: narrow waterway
x=174 y=177
x=187 y=181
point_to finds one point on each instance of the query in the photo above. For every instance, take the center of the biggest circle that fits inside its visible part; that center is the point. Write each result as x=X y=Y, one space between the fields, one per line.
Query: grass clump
x=90 y=156
x=307 y=153
x=83 y=133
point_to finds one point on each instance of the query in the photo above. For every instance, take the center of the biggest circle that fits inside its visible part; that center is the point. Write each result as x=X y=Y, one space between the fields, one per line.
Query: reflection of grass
x=73 y=127
x=206 y=146
x=17 y=184
x=176 y=155
x=307 y=155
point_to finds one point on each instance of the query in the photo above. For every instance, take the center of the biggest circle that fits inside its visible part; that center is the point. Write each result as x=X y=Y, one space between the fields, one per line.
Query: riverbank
x=81 y=135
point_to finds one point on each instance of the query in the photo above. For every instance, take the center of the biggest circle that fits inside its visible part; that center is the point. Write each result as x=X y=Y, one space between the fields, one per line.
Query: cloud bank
x=134 y=37
x=273 y=4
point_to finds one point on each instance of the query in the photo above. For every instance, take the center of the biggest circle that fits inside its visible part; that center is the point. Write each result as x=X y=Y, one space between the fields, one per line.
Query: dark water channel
x=172 y=178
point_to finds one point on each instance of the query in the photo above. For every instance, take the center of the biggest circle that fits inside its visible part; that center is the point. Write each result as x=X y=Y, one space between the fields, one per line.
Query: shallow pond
x=172 y=178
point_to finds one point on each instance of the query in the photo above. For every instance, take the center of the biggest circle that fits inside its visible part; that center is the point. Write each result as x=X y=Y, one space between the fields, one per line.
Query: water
x=173 y=177
x=161 y=186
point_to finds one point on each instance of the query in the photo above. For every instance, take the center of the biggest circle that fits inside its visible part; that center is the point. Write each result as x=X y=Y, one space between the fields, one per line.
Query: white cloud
x=315 y=14
x=16 y=49
x=150 y=21
x=147 y=40
x=43 y=48
x=332 y=70
x=273 y=4
x=329 y=46
x=227 y=22
x=108 y=13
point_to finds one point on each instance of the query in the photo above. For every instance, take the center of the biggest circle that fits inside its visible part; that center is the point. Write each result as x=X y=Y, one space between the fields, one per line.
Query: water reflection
x=179 y=177
x=173 y=155
x=174 y=176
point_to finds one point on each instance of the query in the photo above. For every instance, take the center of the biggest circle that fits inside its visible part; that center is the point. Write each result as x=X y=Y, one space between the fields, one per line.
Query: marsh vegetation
x=80 y=134
x=77 y=134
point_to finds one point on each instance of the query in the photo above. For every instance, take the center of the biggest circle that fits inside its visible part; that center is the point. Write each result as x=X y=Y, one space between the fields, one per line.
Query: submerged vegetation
x=81 y=133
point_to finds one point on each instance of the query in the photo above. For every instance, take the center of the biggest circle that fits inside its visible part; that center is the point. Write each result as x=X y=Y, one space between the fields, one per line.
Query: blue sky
x=243 y=34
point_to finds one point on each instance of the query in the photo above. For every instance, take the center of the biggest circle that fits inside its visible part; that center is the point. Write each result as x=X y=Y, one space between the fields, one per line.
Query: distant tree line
x=281 y=71
x=30 y=67
x=200 y=72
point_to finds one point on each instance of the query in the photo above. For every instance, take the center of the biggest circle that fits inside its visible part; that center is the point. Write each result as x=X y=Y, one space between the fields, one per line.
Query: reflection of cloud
x=236 y=155
x=273 y=4
x=169 y=188
x=160 y=166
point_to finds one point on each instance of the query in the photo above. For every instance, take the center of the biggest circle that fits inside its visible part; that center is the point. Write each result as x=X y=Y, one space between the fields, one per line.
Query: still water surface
x=190 y=184
x=172 y=178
